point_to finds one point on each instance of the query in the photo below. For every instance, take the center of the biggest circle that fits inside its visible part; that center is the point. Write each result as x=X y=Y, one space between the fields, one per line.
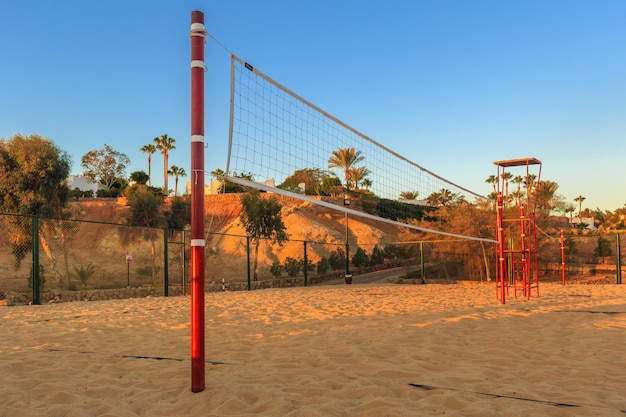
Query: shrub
x=377 y=257
x=337 y=259
x=360 y=258
x=292 y=266
x=84 y=272
x=322 y=266
x=276 y=269
x=603 y=248
x=42 y=279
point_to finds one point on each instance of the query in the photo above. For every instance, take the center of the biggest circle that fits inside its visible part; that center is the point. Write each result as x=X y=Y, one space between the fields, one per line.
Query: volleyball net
x=279 y=142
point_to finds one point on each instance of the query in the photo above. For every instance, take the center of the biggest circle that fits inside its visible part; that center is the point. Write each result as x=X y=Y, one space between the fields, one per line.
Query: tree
x=580 y=200
x=529 y=183
x=569 y=210
x=409 y=195
x=177 y=172
x=292 y=266
x=311 y=177
x=139 y=177
x=377 y=257
x=145 y=207
x=546 y=191
x=165 y=144
x=358 y=175
x=337 y=259
x=105 y=166
x=261 y=218
x=32 y=175
x=345 y=158
x=444 y=197
x=493 y=180
x=322 y=266
x=506 y=177
x=145 y=211
x=179 y=214
x=518 y=180
x=149 y=149
x=603 y=248
x=360 y=258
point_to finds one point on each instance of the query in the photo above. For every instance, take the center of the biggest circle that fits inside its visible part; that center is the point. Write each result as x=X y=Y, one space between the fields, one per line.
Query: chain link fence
x=75 y=258
x=65 y=256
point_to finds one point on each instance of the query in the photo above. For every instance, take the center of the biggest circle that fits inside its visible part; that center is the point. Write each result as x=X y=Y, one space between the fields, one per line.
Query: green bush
x=84 y=272
x=292 y=266
x=360 y=258
x=337 y=259
x=603 y=248
x=377 y=257
x=42 y=279
x=322 y=266
x=276 y=269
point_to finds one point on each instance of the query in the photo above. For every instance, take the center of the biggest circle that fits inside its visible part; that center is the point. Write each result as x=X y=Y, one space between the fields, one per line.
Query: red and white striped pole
x=198 y=36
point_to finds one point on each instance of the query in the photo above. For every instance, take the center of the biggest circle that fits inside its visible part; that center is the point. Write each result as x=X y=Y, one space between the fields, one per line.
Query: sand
x=360 y=350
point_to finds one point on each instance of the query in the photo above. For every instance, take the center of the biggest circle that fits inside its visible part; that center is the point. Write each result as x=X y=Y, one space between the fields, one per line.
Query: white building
x=82 y=183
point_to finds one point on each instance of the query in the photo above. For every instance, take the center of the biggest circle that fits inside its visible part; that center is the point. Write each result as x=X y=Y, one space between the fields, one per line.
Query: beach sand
x=360 y=350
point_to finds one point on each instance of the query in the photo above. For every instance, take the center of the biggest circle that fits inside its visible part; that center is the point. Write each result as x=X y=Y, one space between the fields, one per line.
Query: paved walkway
x=370 y=278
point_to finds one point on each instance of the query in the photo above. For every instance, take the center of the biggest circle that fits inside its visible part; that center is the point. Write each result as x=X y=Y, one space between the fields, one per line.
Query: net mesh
x=282 y=143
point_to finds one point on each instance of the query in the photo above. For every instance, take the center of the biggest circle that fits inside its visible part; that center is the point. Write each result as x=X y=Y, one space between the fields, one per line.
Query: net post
x=198 y=36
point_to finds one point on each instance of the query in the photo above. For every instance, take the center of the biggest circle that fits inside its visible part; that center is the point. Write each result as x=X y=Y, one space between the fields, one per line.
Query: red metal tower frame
x=517 y=259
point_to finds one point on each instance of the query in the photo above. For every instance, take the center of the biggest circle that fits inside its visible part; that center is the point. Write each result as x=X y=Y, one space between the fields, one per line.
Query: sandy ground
x=360 y=350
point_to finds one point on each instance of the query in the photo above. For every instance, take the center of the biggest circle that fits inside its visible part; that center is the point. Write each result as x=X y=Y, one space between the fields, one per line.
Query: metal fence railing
x=62 y=259
x=49 y=256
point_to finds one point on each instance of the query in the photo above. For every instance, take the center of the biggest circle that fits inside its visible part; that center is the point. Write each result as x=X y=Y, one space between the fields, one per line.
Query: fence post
x=36 y=283
x=184 y=259
x=248 y=257
x=165 y=263
x=562 y=242
x=618 y=259
x=423 y=280
x=306 y=265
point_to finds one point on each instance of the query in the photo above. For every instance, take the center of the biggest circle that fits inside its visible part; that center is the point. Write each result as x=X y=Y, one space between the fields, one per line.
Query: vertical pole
x=501 y=259
x=348 y=276
x=198 y=36
x=184 y=260
x=306 y=265
x=166 y=278
x=36 y=278
x=423 y=280
x=248 y=258
x=127 y=275
x=618 y=259
x=562 y=241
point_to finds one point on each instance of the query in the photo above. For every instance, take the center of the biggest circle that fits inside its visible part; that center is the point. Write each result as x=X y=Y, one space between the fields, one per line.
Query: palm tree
x=218 y=174
x=493 y=180
x=149 y=149
x=176 y=172
x=358 y=175
x=345 y=158
x=529 y=183
x=518 y=180
x=545 y=193
x=443 y=197
x=165 y=144
x=409 y=195
x=506 y=177
x=367 y=183
x=580 y=200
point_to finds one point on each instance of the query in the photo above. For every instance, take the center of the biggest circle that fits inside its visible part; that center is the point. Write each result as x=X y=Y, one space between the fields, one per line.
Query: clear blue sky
x=453 y=85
